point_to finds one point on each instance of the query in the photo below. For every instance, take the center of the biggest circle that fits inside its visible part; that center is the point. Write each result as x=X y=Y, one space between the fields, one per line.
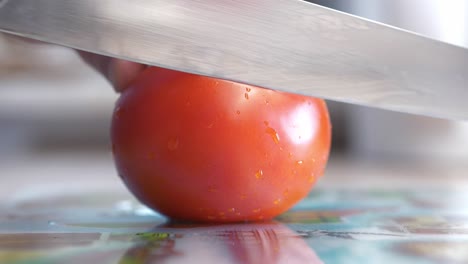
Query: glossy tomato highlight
x=202 y=149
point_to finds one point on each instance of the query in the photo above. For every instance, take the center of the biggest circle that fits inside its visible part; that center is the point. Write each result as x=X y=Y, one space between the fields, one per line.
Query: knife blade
x=287 y=45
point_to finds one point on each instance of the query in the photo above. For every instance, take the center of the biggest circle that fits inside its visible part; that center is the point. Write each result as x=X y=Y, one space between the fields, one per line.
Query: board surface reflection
x=330 y=226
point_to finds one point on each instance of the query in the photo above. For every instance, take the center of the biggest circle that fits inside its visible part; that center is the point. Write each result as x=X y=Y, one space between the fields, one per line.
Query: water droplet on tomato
x=286 y=192
x=243 y=197
x=274 y=135
x=173 y=144
x=277 y=201
x=312 y=178
x=212 y=189
x=266 y=123
x=246 y=95
x=238 y=112
x=259 y=174
x=210 y=125
x=299 y=162
x=232 y=210
x=324 y=157
x=118 y=112
x=152 y=155
x=256 y=210
x=290 y=155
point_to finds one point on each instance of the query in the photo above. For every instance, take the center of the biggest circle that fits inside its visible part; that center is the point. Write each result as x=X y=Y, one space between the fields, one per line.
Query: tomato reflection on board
x=269 y=242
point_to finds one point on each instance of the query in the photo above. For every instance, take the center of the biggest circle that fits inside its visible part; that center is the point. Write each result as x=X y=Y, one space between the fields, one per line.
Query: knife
x=287 y=45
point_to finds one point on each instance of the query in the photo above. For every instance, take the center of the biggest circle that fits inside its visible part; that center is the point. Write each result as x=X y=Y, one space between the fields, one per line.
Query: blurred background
x=384 y=134
x=55 y=111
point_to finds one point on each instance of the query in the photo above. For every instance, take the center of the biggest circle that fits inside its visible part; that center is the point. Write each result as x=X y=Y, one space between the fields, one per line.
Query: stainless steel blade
x=288 y=45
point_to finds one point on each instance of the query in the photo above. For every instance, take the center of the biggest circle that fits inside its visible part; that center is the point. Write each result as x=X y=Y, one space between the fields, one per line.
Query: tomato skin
x=202 y=149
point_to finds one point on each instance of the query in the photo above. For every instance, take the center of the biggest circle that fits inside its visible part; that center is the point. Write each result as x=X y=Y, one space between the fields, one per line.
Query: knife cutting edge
x=287 y=45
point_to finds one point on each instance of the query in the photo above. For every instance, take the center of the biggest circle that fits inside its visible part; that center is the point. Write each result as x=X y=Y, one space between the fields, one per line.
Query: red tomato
x=202 y=149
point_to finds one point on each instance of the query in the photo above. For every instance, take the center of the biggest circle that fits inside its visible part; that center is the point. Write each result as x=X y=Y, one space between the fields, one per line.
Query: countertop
x=72 y=208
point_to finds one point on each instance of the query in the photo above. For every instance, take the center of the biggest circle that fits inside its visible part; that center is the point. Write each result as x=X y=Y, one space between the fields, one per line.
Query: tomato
x=202 y=149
